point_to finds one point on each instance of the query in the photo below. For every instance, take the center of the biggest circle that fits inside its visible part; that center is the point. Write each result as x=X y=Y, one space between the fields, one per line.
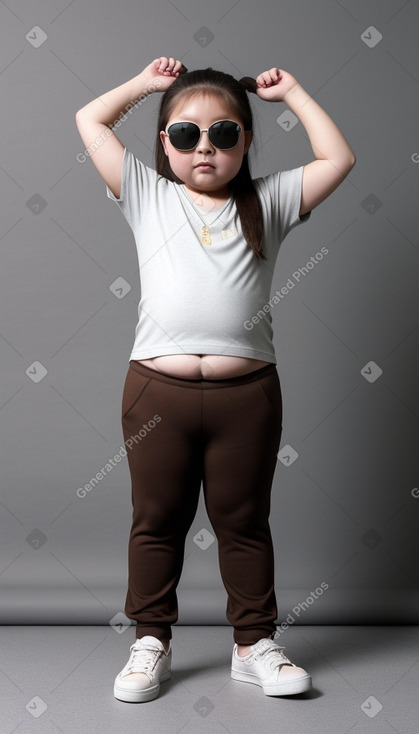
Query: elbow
x=351 y=161
x=344 y=164
x=347 y=164
x=82 y=111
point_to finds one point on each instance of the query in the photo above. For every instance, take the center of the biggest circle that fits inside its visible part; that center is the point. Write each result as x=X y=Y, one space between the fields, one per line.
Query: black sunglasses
x=223 y=134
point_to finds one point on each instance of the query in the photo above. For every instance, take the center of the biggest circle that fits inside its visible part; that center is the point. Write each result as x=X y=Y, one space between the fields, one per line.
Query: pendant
x=205 y=236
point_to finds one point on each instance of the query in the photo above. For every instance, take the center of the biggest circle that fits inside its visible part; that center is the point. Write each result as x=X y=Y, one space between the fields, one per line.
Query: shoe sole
x=275 y=689
x=141 y=696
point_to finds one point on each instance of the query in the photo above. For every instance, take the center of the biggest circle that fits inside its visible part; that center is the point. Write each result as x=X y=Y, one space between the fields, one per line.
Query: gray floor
x=60 y=679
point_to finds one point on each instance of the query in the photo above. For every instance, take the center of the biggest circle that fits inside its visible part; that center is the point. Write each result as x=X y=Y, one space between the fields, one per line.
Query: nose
x=205 y=145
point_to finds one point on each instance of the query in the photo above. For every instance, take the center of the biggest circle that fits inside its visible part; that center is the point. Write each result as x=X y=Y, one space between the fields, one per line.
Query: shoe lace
x=142 y=659
x=274 y=656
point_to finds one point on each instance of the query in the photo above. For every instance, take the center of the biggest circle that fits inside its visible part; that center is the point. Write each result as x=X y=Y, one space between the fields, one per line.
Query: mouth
x=204 y=165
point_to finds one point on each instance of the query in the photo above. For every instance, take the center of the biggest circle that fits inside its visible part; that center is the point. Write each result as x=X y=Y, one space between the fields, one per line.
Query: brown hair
x=243 y=191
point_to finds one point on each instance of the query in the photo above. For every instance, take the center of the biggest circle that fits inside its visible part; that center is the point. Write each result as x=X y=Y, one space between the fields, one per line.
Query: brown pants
x=225 y=433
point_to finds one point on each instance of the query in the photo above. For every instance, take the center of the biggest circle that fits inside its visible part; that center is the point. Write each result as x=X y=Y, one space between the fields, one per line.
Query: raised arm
x=97 y=118
x=334 y=156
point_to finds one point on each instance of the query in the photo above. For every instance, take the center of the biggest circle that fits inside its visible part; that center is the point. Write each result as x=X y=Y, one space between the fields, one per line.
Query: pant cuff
x=249 y=637
x=162 y=633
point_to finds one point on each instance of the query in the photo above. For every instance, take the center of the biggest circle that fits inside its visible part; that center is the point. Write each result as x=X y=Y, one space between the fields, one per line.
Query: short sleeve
x=137 y=184
x=283 y=190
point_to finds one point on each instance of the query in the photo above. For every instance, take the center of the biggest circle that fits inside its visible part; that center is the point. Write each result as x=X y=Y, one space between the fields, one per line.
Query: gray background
x=345 y=511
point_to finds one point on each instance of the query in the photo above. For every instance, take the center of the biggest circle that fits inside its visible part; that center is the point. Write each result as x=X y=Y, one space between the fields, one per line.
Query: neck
x=218 y=196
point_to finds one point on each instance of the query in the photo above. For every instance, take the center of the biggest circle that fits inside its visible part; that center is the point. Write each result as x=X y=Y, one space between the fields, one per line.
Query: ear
x=248 y=135
x=163 y=141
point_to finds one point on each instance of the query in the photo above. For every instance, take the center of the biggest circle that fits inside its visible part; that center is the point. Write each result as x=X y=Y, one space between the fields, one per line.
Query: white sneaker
x=147 y=667
x=268 y=667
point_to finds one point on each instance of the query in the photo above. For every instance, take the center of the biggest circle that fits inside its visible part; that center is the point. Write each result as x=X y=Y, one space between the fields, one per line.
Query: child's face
x=204 y=110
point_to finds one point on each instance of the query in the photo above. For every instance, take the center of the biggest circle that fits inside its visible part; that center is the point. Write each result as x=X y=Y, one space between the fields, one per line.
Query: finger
x=274 y=74
x=169 y=67
x=268 y=76
x=261 y=80
x=268 y=79
x=165 y=67
x=178 y=67
x=163 y=63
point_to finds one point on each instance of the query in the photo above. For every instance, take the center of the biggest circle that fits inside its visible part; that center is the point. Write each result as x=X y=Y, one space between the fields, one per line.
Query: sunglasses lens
x=183 y=135
x=224 y=134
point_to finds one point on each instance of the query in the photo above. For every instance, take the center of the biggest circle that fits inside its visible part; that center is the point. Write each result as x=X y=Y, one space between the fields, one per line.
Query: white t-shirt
x=196 y=298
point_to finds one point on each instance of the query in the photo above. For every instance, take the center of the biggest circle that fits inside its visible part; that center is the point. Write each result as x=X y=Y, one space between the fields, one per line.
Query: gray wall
x=345 y=512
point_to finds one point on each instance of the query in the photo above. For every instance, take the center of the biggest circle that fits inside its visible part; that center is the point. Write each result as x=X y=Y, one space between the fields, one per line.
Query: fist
x=166 y=70
x=273 y=85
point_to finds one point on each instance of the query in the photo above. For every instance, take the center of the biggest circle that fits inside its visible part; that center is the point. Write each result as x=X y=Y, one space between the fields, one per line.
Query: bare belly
x=206 y=366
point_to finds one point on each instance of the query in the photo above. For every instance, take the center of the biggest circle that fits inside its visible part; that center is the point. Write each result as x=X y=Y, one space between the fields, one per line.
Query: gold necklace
x=205 y=230
x=205 y=235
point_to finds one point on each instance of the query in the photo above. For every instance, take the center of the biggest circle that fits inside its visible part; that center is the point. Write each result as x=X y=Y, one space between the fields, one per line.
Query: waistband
x=199 y=383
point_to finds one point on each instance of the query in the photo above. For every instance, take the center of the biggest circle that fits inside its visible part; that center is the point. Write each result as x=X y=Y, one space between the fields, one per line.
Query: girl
x=202 y=398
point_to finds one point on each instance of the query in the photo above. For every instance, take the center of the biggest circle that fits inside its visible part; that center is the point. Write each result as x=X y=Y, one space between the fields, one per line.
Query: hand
x=165 y=70
x=274 y=84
